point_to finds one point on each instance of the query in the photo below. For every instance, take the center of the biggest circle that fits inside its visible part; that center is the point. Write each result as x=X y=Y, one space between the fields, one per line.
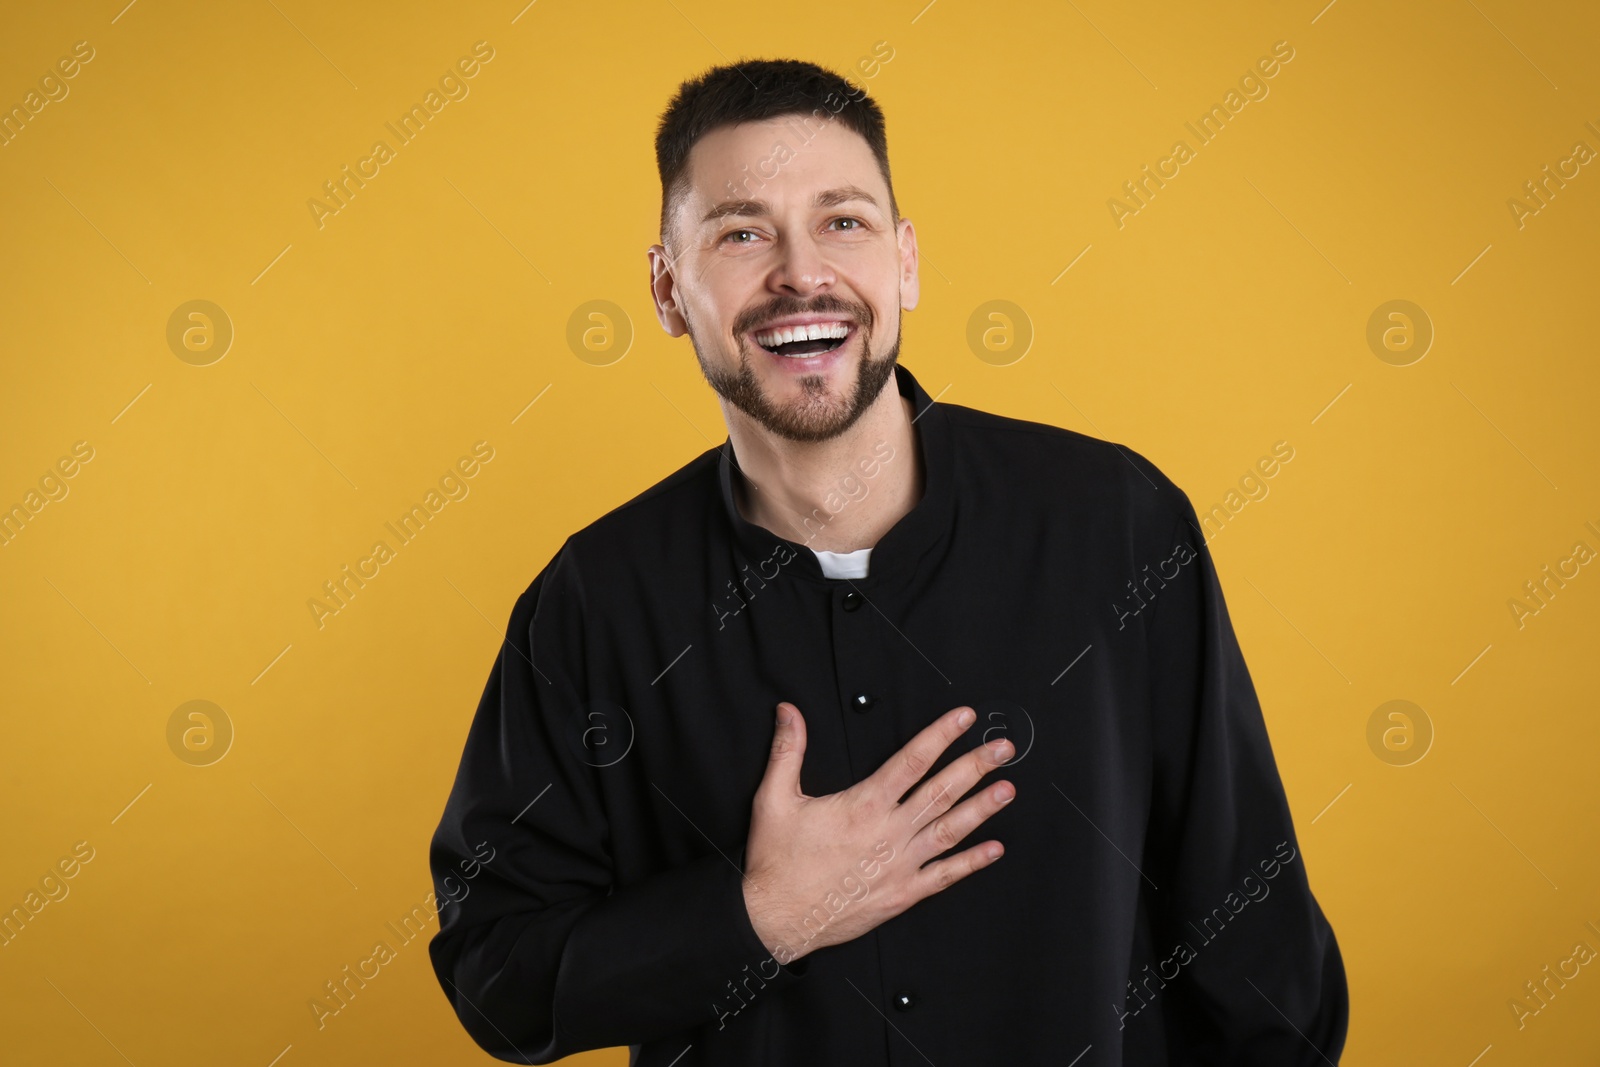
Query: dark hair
x=756 y=89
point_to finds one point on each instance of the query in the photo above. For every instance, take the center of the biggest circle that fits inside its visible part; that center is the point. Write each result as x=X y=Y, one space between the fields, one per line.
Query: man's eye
x=735 y=233
x=858 y=223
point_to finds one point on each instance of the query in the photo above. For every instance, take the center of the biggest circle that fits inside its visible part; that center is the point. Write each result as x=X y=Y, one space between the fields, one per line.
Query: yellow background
x=370 y=353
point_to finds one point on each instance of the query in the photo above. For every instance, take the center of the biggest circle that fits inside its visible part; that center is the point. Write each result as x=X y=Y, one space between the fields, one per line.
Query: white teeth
x=812 y=332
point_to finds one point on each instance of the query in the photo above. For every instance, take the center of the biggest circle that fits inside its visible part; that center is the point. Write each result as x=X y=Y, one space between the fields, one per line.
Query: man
x=719 y=800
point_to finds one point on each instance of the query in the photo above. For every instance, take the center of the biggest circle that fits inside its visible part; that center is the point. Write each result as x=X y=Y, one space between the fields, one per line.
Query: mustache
x=859 y=313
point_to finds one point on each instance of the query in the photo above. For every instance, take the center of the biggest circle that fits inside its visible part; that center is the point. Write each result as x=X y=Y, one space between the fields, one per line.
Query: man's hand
x=802 y=850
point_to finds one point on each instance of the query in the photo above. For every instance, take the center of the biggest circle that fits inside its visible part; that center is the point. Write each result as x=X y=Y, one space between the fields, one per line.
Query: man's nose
x=803 y=267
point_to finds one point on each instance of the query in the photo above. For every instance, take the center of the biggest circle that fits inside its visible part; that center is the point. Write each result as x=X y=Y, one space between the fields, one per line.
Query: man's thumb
x=788 y=749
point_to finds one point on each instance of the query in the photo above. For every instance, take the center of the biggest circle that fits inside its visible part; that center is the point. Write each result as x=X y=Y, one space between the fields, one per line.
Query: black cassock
x=1152 y=905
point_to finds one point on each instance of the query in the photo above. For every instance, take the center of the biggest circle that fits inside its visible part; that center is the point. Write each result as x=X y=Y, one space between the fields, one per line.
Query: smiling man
x=726 y=762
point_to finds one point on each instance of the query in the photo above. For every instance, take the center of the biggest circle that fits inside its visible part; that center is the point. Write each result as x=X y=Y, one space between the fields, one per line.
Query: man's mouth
x=798 y=342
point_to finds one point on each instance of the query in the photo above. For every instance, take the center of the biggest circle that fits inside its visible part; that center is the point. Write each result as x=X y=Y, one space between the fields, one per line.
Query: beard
x=818 y=415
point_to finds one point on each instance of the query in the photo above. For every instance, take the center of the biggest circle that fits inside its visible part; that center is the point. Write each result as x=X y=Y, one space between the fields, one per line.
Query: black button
x=863 y=701
x=904 y=1000
x=852 y=600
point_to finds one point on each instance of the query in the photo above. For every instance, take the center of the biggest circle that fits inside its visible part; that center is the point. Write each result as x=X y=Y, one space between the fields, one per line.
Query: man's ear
x=663 y=290
x=910 y=280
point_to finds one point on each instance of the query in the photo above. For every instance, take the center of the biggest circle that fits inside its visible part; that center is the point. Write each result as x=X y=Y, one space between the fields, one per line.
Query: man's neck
x=839 y=495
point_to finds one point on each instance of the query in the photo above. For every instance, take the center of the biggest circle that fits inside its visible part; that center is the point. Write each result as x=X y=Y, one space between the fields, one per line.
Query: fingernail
x=966 y=718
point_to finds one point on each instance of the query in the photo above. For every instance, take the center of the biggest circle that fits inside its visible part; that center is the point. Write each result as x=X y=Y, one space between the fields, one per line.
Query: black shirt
x=1151 y=907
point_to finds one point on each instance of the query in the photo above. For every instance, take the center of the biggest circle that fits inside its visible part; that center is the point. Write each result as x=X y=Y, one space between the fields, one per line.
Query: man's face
x=788 y=219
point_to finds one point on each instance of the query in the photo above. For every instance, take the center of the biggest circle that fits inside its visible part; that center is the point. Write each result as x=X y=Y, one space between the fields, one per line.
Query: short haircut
x=753 y=90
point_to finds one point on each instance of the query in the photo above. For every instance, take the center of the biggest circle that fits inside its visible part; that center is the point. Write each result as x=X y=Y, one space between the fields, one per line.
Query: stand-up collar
x=898 y=550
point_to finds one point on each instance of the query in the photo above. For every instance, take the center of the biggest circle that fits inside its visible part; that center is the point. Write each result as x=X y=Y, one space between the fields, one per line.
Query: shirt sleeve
x=540 y=952
x=1259 y=977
